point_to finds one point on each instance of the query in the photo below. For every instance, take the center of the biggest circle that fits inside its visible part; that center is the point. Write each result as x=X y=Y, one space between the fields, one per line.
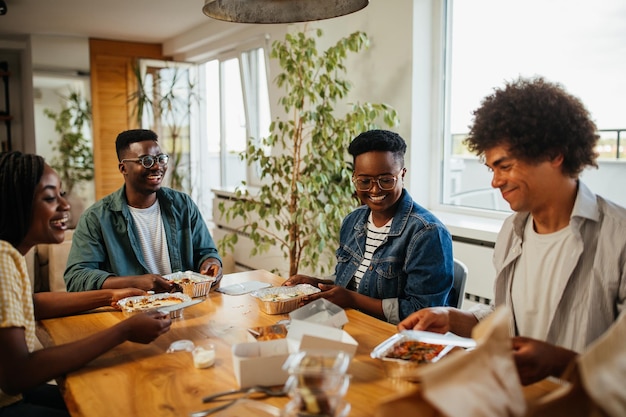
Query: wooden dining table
x=145 y=380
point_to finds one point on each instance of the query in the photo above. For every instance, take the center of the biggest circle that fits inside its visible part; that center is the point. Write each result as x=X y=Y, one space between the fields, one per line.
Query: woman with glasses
x=33 y=210
x=134 y=236
x=394 y=256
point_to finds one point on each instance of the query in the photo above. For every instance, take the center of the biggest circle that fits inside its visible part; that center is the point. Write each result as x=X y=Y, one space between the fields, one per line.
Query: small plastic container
x=141 y=303
x=192 y=283
x=282 y=300
x=203 y=356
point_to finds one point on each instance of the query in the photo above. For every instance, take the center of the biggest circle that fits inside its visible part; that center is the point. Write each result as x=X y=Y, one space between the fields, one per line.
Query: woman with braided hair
x=33 y=210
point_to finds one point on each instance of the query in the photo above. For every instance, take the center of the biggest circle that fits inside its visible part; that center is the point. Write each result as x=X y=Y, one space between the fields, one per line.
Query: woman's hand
x=336 y=294
x=305 y=279
x=119 y=294
x=145 y=327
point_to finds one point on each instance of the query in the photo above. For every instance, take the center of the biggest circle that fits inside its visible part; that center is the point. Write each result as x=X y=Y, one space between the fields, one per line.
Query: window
x=234 y=109
x=493 y=41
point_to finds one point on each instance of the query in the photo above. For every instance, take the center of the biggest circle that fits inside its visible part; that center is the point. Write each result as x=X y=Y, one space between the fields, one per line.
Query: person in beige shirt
x=37 y=212
x=560 y=259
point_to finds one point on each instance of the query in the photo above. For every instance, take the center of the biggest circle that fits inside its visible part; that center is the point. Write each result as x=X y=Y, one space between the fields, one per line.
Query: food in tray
x=148 y=303
x=405 y=353
x=192 y=283
x=415 y=351
x=281 y=300
x=276 y=331
x=284 y=295
x=131 y=305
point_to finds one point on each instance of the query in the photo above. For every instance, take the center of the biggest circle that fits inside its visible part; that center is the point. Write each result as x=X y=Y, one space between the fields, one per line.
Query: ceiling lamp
x=279 y=11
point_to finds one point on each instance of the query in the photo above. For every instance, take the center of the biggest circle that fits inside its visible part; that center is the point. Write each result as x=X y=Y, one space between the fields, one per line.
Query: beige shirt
x=592 y=291
x=16 y=300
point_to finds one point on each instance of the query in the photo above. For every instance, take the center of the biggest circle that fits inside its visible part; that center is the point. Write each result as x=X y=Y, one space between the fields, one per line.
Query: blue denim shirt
x=105 y=242
x=411 y=269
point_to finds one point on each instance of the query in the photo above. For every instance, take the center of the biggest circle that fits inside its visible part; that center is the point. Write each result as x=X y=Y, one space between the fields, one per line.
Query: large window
x=234 y=110
x=578 y=44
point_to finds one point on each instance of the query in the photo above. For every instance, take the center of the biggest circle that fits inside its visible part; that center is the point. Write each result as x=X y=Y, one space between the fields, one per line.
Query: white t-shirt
x=375 y=236
x=535 y=291
x=152 y=237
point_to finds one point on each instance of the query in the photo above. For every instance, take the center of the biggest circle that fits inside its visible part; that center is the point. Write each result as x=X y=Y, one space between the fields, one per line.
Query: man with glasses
x=134 y=236
x=394 y=256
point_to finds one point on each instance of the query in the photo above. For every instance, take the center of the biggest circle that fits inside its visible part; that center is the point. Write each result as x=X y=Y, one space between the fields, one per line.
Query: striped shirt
x=152 y=237
x=375 y=237
x=16 y=300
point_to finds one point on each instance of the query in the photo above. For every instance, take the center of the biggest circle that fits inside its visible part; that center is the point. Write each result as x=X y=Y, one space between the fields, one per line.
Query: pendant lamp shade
x=279 y=11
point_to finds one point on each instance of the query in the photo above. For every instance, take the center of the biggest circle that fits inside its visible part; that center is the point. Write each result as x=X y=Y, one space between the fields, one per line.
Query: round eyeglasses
x=147 y=161
x=385 y=182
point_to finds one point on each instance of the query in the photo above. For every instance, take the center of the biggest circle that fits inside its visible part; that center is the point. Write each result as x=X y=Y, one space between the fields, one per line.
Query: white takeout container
x=320 y=311
x=260 y=363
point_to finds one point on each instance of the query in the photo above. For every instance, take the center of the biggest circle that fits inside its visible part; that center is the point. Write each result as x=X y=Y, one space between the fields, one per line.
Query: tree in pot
x=73 y=159
x=302 y=164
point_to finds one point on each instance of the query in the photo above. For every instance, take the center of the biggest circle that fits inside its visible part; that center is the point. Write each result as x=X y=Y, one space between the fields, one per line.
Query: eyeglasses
x=385 y=182
x=148 y=160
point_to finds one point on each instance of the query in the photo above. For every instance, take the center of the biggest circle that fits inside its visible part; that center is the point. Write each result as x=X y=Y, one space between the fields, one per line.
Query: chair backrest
x=457 y=293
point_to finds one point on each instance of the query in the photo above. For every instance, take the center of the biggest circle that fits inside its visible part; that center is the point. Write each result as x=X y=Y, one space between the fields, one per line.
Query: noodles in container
x=140 y=303
x=404 y=353
x=192 y=283
x=282 y=300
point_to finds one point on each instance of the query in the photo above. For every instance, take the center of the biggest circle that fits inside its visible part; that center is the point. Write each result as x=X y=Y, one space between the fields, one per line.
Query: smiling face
x=142 y=183
x=525 y=186
x=374 y=164
x=51 y=212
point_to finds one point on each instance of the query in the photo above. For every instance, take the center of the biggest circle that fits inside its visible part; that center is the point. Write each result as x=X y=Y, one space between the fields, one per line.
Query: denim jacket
x=411 y=269
x=105 y=242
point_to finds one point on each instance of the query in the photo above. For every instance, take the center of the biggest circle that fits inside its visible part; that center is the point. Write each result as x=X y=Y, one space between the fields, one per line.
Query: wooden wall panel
x=112 y=81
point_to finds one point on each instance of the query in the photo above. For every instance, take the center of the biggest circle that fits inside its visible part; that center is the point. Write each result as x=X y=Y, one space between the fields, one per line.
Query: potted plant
x=306 y=177
x=163 y=102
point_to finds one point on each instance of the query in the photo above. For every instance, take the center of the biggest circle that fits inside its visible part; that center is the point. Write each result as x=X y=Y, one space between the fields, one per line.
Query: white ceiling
x=129 y=20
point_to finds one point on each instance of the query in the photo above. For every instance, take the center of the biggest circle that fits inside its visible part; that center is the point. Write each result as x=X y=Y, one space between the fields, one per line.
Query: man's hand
x=147 y=282
x=432 y=319
x=536 y=360
x=212 y=268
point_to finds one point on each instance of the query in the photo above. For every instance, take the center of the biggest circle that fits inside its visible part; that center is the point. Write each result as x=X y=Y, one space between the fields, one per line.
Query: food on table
x=191 y=283
x=276 y=331
x=280 y=300
x=132 y=305
x=415 y=351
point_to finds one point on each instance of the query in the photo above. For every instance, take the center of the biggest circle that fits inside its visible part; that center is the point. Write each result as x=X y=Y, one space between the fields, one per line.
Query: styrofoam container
x=321 y=311
x=192 y=283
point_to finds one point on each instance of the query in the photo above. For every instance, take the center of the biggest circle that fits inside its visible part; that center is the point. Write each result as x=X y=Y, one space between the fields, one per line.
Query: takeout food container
x=282 y=300
x=404 y=353
x=261 y=362
x=321 y=311
x=141 y=303
x=192 y=283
